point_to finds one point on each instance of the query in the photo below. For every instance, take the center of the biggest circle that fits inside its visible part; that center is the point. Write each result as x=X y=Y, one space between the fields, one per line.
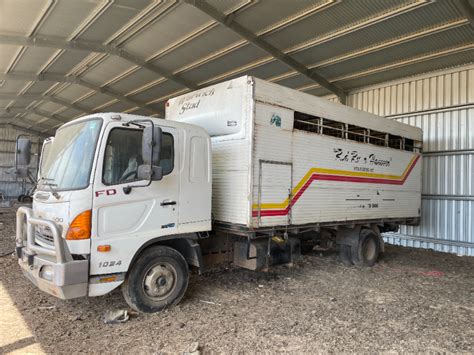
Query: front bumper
x=52 y=270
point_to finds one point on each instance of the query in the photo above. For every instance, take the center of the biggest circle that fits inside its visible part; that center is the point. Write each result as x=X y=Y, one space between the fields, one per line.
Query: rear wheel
x=158 y=279
x=345 y=254
x=360 y=248
x=368 y=249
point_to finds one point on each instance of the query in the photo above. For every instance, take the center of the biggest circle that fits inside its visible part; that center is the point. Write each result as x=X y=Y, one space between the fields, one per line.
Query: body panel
x=375 y=182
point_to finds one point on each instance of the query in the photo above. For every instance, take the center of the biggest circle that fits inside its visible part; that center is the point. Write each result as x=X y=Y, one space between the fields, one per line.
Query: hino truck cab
x=121 y=200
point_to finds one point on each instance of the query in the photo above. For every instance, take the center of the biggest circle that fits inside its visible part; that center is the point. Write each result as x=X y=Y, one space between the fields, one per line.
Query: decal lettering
x=110 y=263
x=187 y=102
x=107 y=192
x=353 y=156
x=189 y=106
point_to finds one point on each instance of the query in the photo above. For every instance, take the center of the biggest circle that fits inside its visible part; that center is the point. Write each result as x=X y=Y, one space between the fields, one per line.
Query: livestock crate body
x=283 y=158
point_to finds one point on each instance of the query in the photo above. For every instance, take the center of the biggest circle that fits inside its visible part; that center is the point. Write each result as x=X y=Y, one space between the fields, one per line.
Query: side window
x=123 y=155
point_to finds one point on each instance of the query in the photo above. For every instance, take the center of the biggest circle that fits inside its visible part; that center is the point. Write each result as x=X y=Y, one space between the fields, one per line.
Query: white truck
x=244 y=171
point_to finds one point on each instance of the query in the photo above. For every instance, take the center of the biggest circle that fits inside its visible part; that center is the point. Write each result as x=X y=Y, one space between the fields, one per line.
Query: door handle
x=167 y=203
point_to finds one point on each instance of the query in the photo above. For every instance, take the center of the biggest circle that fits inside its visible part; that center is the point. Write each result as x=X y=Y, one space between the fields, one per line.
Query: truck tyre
x=368 y=249
x=345 y=254
x=158 y=279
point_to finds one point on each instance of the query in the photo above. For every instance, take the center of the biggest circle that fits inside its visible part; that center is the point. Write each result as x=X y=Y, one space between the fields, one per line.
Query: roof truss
x=228 y=21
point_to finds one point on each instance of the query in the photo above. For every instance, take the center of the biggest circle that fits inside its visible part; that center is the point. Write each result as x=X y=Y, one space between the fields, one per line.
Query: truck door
x=127 y=220
x=274 y=193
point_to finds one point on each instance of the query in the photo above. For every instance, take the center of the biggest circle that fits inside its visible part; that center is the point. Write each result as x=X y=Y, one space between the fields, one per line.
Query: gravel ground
x=412 y=300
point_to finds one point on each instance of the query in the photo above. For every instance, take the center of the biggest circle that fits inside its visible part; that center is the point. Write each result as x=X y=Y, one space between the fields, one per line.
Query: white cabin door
x=121 y=215
x=274 y=195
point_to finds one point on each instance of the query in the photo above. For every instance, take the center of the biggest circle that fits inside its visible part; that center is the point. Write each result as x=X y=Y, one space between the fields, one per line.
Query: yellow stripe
x=311 y=171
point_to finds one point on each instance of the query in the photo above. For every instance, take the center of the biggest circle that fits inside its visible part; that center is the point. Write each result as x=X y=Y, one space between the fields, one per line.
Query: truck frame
x=244 y=171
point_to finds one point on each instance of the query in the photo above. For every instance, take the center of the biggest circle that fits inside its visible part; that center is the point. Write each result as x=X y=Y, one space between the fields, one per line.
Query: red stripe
x=283 y=212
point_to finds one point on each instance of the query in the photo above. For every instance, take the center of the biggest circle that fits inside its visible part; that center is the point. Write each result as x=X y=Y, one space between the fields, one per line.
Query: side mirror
x=151 y=145
x=23 y=152
x=145 y=173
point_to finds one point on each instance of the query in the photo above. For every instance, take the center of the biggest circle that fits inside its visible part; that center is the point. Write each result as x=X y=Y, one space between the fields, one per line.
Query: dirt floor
x=412 y=300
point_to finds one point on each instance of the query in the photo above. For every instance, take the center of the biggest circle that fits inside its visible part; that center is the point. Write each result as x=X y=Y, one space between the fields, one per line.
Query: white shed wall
x=442 y=104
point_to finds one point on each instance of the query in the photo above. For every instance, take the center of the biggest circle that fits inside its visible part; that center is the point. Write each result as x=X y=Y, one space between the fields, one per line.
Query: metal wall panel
x=10 y=187
x=442 y=104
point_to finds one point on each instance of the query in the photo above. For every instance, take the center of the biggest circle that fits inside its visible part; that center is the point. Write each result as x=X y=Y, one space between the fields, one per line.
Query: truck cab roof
x=126 y=117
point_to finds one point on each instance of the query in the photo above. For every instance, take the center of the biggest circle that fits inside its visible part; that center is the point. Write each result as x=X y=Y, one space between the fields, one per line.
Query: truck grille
x=44 y=237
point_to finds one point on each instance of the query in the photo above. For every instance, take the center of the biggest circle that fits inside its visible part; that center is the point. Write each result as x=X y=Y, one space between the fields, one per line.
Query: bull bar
x=52 y=270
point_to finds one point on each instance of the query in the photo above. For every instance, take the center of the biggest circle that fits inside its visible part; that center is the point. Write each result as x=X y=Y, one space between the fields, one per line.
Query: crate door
x=274 y=193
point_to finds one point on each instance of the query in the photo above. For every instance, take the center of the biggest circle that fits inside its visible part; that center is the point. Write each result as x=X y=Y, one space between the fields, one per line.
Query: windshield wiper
x=50 y=185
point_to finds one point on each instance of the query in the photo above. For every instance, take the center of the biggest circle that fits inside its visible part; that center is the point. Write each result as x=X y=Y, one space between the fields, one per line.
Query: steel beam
x=394 y=12
x=394 y=65
x=466 y=9
x=448 y=197
x=29 y=123
x=28 y=98
x=228 y=21
x=77 y=45
x=347 y=56
x=36 y=97
x=422 y=239
x=39 y=112
x=393 y=42
x=7 y=119
x=27 y=130
x=71 y=79
x=417 y=59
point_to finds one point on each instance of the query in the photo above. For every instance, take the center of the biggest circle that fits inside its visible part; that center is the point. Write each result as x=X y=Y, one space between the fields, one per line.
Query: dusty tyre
x=27 y=199
x=345 y=254
x=368 y=249
x=158 y=279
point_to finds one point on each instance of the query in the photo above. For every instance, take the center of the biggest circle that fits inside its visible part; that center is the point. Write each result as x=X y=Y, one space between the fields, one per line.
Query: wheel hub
x=159 y=281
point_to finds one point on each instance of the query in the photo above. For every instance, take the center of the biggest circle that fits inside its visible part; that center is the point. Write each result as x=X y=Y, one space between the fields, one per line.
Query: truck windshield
x=69 y=161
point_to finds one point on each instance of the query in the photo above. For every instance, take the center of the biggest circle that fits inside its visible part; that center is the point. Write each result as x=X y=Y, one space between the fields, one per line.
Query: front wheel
x=158 y=279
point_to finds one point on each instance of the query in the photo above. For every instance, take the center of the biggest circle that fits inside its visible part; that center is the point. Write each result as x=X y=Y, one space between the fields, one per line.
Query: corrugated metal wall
x=442 y=104
x=10 y=187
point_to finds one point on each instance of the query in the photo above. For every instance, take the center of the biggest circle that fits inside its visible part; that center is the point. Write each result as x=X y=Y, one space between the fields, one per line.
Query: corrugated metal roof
x=132 y=55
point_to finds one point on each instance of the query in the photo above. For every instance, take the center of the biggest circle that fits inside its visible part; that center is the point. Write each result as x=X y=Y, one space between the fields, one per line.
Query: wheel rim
x=159 y=281
x=370 y=249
